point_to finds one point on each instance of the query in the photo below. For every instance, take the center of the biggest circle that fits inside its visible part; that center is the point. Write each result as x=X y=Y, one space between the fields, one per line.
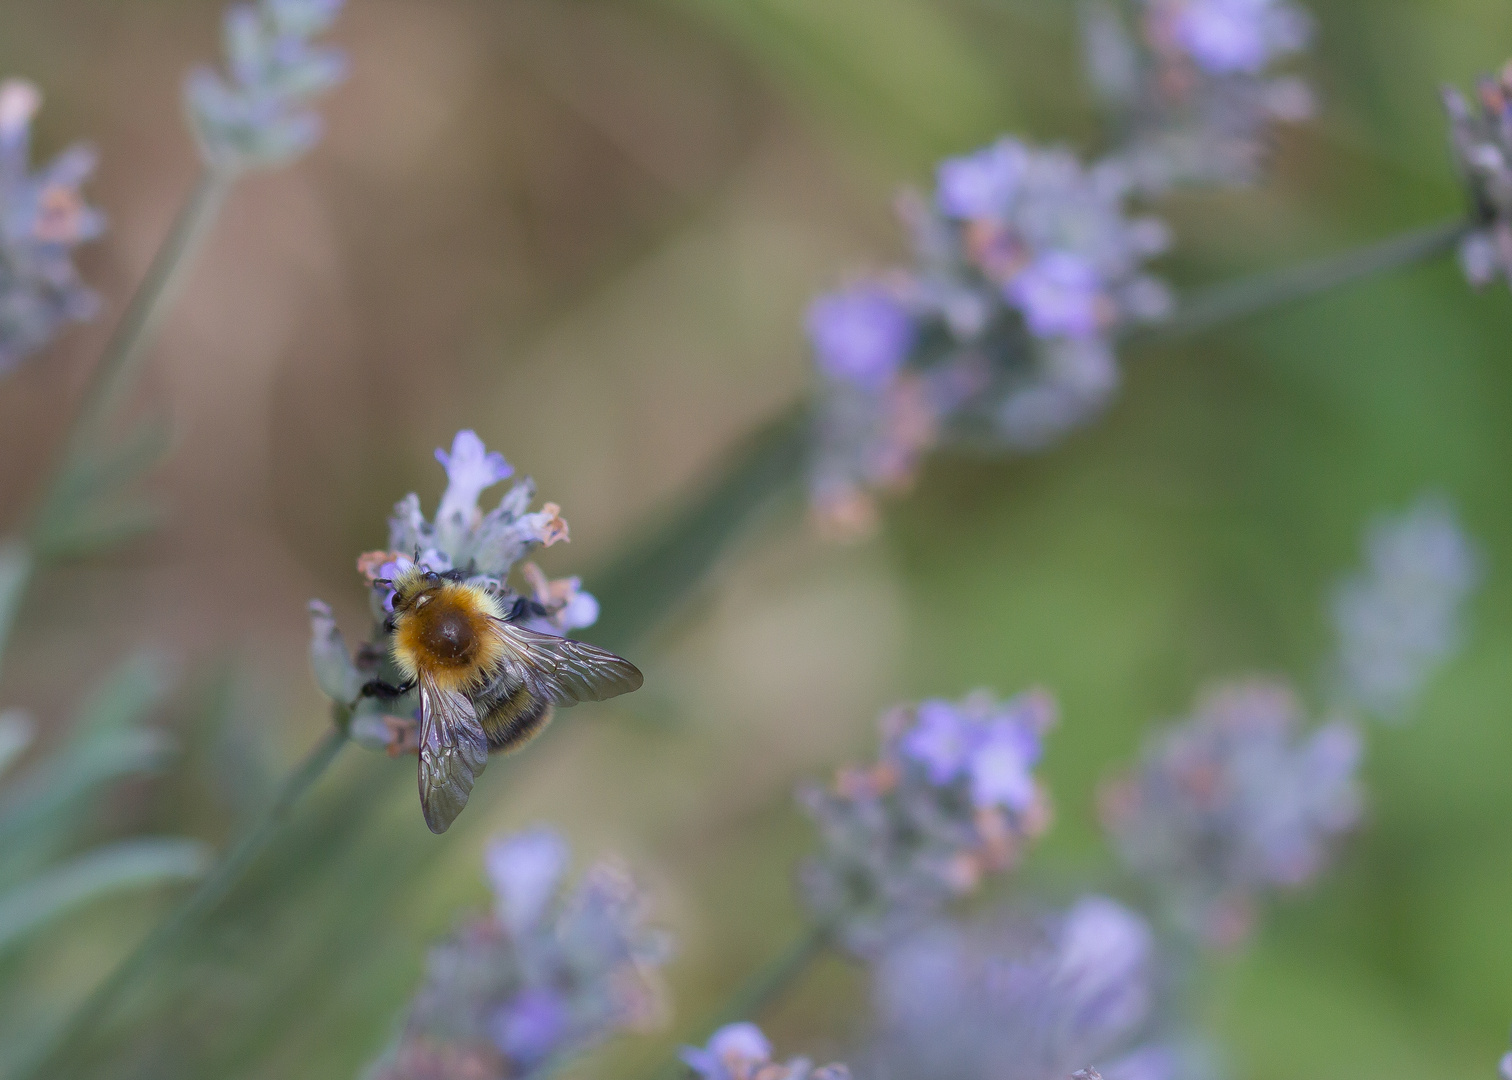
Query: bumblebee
x=486 y=684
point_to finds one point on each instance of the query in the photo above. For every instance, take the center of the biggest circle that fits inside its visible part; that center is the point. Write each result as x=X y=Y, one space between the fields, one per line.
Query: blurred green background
x=588 y=229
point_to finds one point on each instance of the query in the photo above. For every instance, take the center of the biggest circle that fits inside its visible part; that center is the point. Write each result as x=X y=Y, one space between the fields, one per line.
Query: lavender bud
x=259 y=115
x=335 y=672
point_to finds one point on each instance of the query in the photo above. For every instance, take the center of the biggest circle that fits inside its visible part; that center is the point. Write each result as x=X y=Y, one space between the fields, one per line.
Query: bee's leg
x=379 y=688
x=524 y=607
x=458 y=575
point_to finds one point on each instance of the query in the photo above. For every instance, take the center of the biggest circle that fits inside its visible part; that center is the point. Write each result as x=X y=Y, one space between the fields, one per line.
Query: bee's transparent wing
x=563 y=671
x=453 y=751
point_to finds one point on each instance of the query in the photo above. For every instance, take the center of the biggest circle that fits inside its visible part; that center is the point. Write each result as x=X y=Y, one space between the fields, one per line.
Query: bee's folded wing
x=564 y=671
x=453 y=751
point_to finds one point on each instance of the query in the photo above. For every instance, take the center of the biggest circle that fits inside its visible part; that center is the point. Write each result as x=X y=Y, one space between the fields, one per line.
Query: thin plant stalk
x=163 y=939
x=1221 y=304
x=119 y=362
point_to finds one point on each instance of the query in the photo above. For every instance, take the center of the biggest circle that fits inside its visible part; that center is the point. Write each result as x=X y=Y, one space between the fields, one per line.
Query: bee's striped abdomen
x=513 y=717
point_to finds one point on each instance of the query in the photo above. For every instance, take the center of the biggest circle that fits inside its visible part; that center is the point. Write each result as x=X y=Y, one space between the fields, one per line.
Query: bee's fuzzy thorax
x=445 y=632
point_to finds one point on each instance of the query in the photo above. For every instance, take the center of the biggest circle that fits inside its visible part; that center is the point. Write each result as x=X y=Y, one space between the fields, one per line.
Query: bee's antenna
x=383 y=581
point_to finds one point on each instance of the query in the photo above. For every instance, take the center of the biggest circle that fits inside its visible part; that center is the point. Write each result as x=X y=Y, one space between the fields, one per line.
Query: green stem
x=1232 y=301
x=118 y=363
x=226 y=872
x=761 y=989
x=148 y=305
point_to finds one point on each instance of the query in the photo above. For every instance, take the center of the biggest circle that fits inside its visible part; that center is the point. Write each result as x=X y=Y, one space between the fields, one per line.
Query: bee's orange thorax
x=447 y=634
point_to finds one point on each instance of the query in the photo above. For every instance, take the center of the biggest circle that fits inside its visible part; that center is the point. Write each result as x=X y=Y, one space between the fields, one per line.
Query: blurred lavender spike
x=258 y=115
x=741 y=1052
x=550 y=973
x=1400 y=617
x=1482 y=141
x=1010 y=998
x=43 y=217
x=1234 y=803
x=1191 y=83
x=1027 y=266
x=951 y=799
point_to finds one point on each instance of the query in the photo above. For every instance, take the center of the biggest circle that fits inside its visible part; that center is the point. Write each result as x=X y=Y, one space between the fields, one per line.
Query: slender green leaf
x=15 y=572
x=16 y=733
x=130 y=864
x=93 y=476
x=97 y=530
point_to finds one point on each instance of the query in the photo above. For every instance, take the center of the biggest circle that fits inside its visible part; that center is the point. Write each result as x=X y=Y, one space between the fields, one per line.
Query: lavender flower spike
x=551 y=973
x=1012 y=998
x=259 y=116
x=952 y=798
x=1234 y=803
x=43 y=217
x=742 y=1052
x=1482 y=141
x=1400 y=617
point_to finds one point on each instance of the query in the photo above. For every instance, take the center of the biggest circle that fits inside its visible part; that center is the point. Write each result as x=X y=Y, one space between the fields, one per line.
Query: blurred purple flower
x=951 y=799
x=1194 y=92
x=1026 y=265
x=1008 y=998
x=525 y=871
x=43 y=217
x=742 y=1052
x=259 y=116
x=1225 y=37
x=981 y=184
x=1235 y=802
x=861 y=335
x=553 y=972
x=1400 y=618
x=1061 y=295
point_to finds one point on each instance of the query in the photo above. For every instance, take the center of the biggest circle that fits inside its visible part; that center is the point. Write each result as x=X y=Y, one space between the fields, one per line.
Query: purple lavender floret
x=43 y=218
x=741 y=1052
x=861 y=335
x=1401 y=617
x=258 y=115
x=1234 y=803
x=550 y=973
x=1012 y=998
x=951 y=799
